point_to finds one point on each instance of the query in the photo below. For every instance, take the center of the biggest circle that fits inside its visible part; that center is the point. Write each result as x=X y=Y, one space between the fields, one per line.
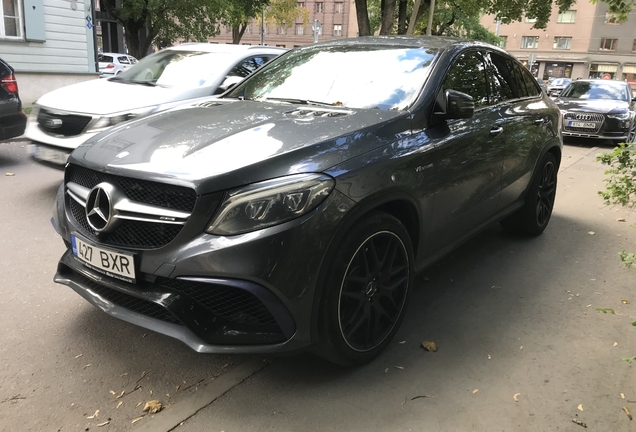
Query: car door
x=469 y=156
x=525 y=118
x=124 y=63
x=241 y=70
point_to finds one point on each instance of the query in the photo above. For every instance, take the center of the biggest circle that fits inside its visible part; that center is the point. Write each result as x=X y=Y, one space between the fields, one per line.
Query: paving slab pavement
x=521 y=344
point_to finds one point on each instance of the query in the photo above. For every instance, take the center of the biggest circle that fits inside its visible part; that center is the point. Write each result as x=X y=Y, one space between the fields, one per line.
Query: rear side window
x=532 y=87
x=4 y=70
x=248 y=66
x=104 y=58
x=503 y=81
x=123 y=60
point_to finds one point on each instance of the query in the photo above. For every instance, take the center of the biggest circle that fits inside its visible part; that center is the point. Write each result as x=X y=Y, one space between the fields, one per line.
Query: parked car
x=12 y=119
x=542 y=84
x=68 y=116
x=111 y=64
x=294 y=211
x=557 y=86
x=598 y=108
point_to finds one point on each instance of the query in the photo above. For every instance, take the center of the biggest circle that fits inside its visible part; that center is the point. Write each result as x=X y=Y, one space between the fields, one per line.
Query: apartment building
x=584 y=42
x=337 y=18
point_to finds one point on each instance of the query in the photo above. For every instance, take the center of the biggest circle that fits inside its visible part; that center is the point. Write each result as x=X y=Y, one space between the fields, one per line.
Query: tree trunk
x=388 y=16
x=237 y=33
x=362 y=13
x=402 y=16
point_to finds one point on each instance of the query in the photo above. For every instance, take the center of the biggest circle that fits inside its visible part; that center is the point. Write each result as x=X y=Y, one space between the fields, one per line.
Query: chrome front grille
x=582 y=117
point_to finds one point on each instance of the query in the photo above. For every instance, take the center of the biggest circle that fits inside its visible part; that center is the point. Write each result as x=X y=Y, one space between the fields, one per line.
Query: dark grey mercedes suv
x=294 y=211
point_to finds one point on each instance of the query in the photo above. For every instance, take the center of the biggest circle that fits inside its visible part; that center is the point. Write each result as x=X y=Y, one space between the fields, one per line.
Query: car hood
x=602 y=106
x=222 y=144
x=103 y=96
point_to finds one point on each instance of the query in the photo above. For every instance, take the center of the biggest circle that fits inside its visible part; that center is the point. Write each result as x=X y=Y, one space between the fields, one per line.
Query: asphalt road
x=513 y=318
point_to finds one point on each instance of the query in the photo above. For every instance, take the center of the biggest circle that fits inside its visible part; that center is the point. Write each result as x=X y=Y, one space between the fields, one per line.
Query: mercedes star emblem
x=99 y=209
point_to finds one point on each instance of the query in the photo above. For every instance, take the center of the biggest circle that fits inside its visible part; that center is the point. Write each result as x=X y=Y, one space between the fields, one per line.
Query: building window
x=300 y=29
x=530 y=42
x=629 y=74
x=567 y=17
x=503 y=42
x=282 y=30
x=603 y=71
x=301 y=4
x=338 y=8
x=562 y=43
x=531 y=20
x=612 y=19
x=608 y=44
x=320 y=7
x=337 y=29
x=10 y=23
x=281 y=45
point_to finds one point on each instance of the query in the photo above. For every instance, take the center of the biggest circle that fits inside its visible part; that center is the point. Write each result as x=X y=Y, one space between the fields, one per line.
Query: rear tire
x=365 y=291
x=534 y=216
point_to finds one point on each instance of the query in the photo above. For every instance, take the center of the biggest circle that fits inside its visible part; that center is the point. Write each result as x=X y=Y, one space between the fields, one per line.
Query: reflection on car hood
x=102 y=96
x=602 y=106
x=235 y=142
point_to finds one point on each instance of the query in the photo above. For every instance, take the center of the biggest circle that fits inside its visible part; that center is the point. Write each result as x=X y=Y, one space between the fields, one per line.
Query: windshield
x=378 y=77
x=561 y=81
x=172 y=68
x=596 y=90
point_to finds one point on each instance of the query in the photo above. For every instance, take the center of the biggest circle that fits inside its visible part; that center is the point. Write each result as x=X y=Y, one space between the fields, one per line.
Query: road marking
x=182 y=410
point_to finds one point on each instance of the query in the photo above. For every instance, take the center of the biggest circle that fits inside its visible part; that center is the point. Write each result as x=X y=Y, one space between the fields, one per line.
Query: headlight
x=113 y=119
x=269 y=203
x=622 y=116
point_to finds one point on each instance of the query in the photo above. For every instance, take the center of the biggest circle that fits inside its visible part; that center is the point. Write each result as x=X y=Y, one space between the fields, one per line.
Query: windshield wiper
x=300 y=101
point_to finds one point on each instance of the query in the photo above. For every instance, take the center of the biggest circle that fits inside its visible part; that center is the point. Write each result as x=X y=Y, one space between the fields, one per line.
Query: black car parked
x=599 y=108
x=294 y=212
x=12 y=119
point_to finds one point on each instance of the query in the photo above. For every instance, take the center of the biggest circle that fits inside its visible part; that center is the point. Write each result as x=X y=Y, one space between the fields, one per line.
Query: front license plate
x=582 y=125
x=114 y=264
x=49 y=155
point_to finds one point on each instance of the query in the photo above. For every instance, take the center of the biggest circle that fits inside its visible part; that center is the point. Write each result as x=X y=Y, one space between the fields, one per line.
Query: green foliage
x=619 y=8
x=628 y=359
x=284 y=13
x=606 y=310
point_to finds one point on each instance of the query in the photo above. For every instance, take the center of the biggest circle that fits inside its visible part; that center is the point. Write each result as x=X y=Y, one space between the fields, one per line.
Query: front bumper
x=604 y=127
x=51 y=150
x=250 y=293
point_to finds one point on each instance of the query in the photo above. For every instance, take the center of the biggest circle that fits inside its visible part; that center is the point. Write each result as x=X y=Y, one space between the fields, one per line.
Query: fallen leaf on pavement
x=429 y=346
x=178 y=387
x=627 y=412
x=138 y=404
x=589 y=305
x=625 y=301
x=422 y=396
x=634 y=323
x=591 y=232
x=9 y=174
x=153 y=406
x=87 y=365
x=137 y=419
x=398 y=367
x=94 y=415
x=489 y=357
x=516 y=397
x=386 y=370
x=120 y=394
x=615 y=343
x=112 y=392
x=579 y=422
x=622 y=396
x=521 y=347
x=119 y=404
x=606 y=310
x=580 y=407
x=103 y=424
x=402 y=342
x=620 y=220
x=79 y=355
x=475 y=391
x=629 y=359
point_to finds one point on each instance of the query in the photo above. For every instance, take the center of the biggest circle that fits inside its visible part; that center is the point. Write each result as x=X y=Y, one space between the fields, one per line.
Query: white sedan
x=65 y=118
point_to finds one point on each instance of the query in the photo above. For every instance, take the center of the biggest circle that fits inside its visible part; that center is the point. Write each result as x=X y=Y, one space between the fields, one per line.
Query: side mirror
x=230 y=82
x=458 y=105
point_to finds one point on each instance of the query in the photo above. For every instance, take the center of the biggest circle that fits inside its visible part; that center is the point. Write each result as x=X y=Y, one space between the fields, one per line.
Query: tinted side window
x=532 y=87
x=104 y=58
x=123 y=60
x=505 y=85
x=468 y=75
x=248 y=66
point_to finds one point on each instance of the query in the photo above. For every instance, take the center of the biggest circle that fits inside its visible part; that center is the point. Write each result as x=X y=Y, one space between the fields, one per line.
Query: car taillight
x=9 y=84
x=110 y=66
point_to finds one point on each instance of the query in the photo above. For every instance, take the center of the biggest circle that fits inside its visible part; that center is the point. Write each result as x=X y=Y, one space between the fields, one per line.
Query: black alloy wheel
x=533 y=217
x=546 y=193
x=373 y=292
x=365 y=288
x=631 y=137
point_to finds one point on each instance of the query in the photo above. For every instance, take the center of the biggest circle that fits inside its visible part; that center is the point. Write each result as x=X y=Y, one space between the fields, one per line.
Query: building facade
x=49 y=43
x=337 y=21
x=584 y=42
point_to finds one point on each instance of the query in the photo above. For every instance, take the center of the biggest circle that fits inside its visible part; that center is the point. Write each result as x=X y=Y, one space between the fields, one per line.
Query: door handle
x=539 y=121
x=496 y=131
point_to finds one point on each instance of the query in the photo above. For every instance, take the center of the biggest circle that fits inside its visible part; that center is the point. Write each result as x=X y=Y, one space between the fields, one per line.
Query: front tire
x=366 y=290
x=532 y=219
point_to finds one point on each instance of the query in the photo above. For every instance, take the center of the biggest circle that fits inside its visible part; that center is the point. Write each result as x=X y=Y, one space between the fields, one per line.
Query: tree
x=239 y=13
x=144 y=21
x=284 y=13
x=621 y=184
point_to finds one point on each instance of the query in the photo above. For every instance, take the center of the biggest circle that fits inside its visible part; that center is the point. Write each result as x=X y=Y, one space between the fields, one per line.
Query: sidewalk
x=521 y=345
